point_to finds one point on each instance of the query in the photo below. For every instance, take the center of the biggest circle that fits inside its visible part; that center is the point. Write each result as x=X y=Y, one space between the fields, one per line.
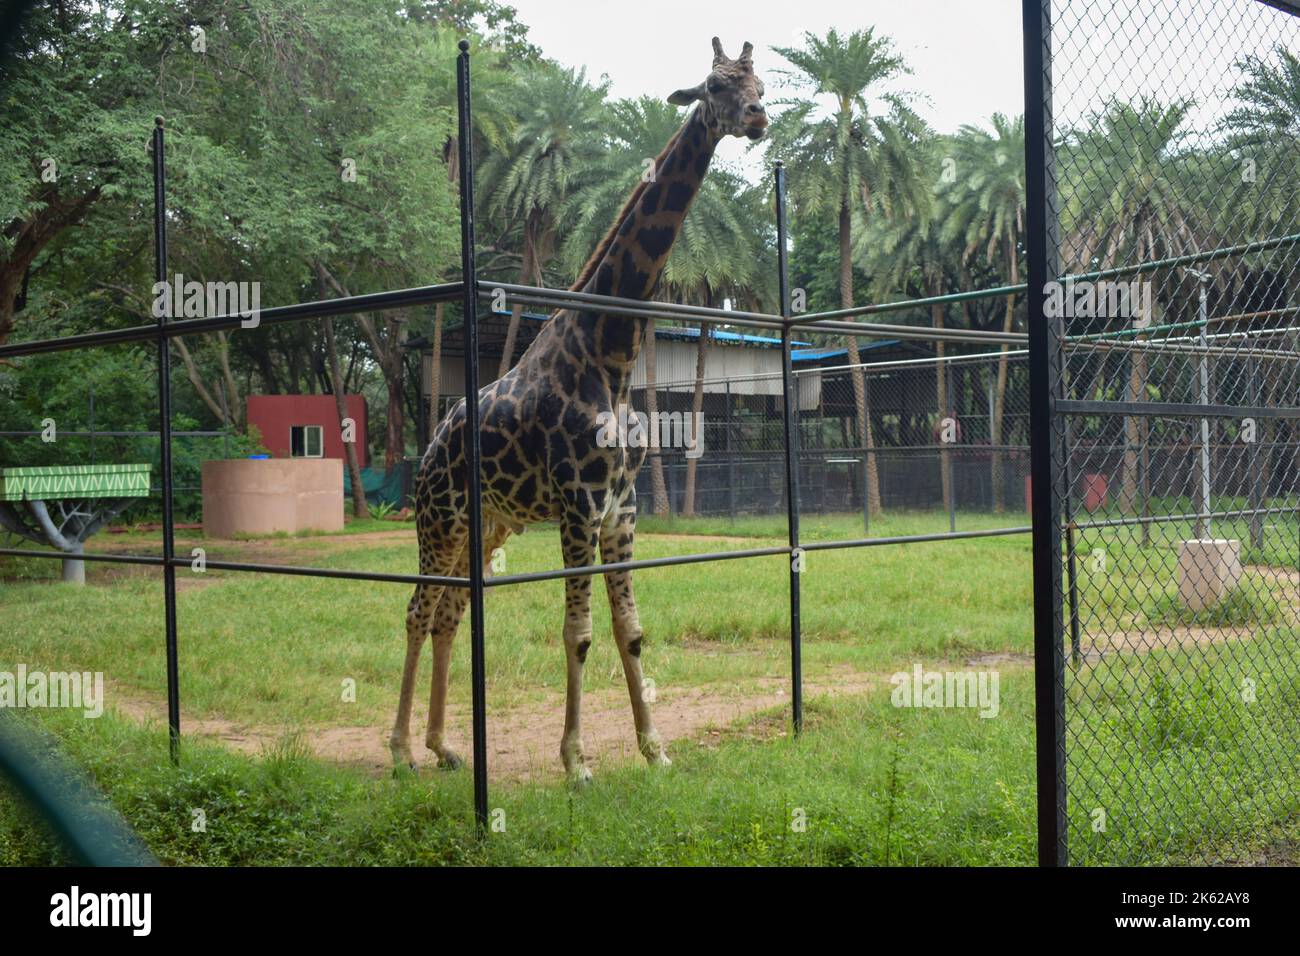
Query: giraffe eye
x=713 y=84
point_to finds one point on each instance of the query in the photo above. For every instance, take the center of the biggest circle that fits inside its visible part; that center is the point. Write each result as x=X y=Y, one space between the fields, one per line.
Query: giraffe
x=541 y=459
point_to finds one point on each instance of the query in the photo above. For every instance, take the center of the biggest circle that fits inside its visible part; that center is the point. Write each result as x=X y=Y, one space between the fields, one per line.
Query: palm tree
x=560 y=132
x=986 y=215
x=910 y=256
x=723 y=250
x=1265 y=132
x=1126 y=199
x=850 y=161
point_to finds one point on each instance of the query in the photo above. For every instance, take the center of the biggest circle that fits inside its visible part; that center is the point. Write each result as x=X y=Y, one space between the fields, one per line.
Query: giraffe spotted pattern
x=538 y=435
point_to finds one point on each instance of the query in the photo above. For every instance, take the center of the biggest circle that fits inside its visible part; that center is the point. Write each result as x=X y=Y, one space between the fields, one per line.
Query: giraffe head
x=731 y=96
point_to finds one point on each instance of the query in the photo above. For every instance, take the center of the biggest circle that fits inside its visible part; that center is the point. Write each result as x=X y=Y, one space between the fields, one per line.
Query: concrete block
x=1208 y=568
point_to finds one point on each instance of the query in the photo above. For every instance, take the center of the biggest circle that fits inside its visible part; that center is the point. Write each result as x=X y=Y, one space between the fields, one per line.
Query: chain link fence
x=945 y=436
x=1175 y=200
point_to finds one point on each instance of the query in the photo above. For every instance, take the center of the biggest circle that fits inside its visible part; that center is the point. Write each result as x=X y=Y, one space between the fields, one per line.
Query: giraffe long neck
x=630 y=260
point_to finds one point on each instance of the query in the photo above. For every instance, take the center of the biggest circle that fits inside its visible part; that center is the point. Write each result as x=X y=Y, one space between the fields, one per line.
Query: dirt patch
x=1275 y=575
x=1133 y=638
x=524 y=742
x=724 y=538
x=1002 y=658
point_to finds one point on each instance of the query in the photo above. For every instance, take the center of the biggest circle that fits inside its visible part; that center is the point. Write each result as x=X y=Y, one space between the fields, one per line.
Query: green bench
x=51 y=504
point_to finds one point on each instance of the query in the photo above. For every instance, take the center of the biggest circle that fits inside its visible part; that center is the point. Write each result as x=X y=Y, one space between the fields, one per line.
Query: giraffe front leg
x=419 y=613
x=445 y=622
x=579 y=542
x=616 y=540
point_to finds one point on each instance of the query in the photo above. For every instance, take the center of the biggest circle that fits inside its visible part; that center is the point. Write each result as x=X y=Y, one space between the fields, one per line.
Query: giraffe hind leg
x=446 y=620
x=419 y=618
x=616 y=542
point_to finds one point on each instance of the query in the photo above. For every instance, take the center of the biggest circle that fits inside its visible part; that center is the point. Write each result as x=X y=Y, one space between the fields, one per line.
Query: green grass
x=876 y=784
x=873 y=783
x=1243 y=606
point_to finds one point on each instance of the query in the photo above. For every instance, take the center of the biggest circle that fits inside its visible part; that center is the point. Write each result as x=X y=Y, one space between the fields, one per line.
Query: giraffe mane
x=593 y=263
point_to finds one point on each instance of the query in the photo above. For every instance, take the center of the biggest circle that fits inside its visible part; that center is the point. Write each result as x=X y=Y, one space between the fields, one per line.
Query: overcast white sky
x=965 y=55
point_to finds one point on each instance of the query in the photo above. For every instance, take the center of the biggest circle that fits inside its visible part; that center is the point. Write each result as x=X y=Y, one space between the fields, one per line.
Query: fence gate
x=1164 y=186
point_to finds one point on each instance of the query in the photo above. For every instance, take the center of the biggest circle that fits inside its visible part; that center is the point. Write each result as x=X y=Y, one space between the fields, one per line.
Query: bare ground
x=523 y=742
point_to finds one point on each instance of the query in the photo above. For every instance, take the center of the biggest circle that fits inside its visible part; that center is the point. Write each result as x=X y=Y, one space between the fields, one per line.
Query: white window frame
x=306 y=441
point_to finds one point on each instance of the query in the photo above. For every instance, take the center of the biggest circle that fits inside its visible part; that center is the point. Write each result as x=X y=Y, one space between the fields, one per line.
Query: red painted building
x=307 y=426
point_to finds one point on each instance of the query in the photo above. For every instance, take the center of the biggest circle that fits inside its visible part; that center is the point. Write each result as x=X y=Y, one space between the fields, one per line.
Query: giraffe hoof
x=449 y=761
x=580 y=778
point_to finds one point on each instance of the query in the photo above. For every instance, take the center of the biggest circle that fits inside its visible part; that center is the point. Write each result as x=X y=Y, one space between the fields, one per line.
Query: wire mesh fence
x=1174 y=355
x=944 y=436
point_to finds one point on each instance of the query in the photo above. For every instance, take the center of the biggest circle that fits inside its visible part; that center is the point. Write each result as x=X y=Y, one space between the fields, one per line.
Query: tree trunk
x=388 y=355
x=526 y=275
x=866 y=439
x=435 y=373
x=393 y=445
x=1000 y=394
x=359 y=507
x=697 y=406
x=941 y=397
x=658 y=487
x=74 y=570
x=1135 y=392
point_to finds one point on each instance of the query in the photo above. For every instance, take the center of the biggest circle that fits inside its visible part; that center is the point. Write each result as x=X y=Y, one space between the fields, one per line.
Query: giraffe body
x=538 y=428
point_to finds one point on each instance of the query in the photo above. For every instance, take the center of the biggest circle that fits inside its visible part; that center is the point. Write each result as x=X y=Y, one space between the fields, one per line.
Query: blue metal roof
x=816 y=355
x=678 y=332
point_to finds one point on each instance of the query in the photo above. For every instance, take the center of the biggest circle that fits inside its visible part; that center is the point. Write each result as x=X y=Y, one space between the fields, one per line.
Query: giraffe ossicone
x=539 y=426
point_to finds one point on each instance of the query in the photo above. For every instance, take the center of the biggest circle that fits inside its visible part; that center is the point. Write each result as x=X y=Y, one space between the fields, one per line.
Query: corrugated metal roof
x=678 y=332
x=816 y=355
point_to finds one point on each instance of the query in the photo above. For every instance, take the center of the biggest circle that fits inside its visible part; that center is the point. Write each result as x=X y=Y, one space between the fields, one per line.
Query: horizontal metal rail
x=529 y=295
x=590 y=569
x=370 y=302
x=1163 y=519
x=1193 y=324
x=153 y=434
x=1172 y=409
x=648 y=310
x=569 y=296
x=914 y=538
x=289 y=569
x=877 y=308
x=1190 y=348
x=1224 y=252
x=149 y=559
x=817 y=318
x=427 y=295
x=922 y=333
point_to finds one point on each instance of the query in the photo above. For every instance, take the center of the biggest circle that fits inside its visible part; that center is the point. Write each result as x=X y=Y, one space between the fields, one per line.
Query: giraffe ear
x=687 y=96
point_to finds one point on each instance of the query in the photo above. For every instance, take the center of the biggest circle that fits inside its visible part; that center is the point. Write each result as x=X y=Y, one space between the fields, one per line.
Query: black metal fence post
x=1049 y=678
x=165 y=445
x=791 y=395
x=469 y=275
